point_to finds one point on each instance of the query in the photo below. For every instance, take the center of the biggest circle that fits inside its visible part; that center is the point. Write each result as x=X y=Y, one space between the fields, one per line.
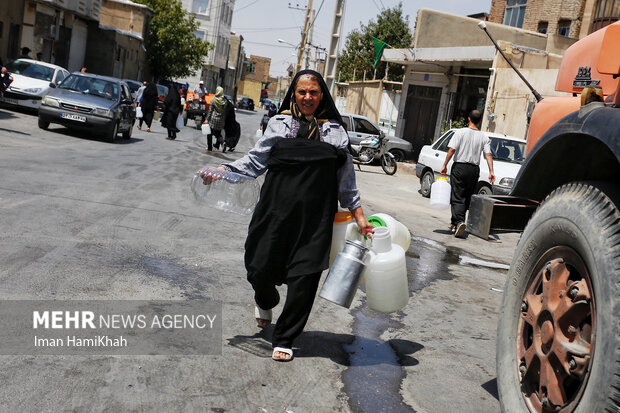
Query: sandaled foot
x=282 y=354
x=263 y=317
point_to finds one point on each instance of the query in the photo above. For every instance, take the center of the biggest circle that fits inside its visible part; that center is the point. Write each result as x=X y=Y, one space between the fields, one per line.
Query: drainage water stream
x=374 y=376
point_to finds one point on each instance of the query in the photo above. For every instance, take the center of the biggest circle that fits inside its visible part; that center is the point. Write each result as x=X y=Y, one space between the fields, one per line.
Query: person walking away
x=148 y=103
x=25 y=53
x=232 y=129
x=172 y=108
x=139 y=92
x=216 y=119
x=465 y=146
x=304 y=152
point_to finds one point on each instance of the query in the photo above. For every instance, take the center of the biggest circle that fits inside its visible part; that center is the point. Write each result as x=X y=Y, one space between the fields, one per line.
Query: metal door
x=421 y=116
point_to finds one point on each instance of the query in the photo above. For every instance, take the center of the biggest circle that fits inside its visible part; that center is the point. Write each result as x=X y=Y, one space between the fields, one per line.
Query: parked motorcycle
x=367 y=150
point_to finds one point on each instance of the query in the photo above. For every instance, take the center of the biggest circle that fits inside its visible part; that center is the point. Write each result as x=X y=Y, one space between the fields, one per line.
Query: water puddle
x=375 y=373
x=190 y=282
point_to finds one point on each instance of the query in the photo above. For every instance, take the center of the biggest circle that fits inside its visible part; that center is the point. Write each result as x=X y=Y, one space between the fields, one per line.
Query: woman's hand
x=208 y=178
x=365 y=227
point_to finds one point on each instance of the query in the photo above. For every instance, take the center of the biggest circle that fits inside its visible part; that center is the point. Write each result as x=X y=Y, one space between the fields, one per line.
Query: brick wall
x=261 y=69
x=496 y=14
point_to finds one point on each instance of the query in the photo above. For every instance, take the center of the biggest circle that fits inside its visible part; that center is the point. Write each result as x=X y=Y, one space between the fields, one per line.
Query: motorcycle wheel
x=388 y=163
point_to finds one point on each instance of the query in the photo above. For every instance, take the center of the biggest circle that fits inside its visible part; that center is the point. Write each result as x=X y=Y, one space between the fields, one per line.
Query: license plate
x=72 y=116
x=9 y=100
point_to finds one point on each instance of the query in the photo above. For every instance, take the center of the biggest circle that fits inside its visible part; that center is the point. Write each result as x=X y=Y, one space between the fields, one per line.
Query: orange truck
x=558 y=337
x=195 y=108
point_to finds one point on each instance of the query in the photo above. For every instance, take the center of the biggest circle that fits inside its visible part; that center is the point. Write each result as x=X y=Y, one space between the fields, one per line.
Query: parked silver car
x=99 y=104
x=360 y=128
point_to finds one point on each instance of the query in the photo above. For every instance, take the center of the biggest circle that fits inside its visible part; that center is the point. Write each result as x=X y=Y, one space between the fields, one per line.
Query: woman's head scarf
x=309 y=129
x=219 y=101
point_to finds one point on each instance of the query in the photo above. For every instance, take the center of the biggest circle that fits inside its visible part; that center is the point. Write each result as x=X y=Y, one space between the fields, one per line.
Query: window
x=605 y=13
x=542 y=27
x=347 y=122
x=564 y=28
x=250 y=67
x=442 y=145
x=363 y=126
x=200 y=6
x=60 y=76
x=515 y=10
x=200 y=34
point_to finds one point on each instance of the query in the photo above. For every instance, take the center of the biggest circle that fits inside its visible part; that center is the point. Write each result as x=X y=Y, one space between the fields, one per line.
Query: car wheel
x=112 y=134
x=398 y=154
x=127 y=134
x=43 y=124
x=558 y=332
x=425 y=183
x=484 y=190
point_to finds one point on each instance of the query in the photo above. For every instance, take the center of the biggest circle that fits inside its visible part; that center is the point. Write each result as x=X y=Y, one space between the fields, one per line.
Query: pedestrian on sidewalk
x=216 y=119
x=148 y=103
x=465 y=146
x=304 y=152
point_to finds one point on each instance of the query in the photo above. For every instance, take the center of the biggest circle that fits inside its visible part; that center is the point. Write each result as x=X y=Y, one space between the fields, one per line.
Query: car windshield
x=133 y=87
x=507 y=150
x=30 y=69
x=91 y=86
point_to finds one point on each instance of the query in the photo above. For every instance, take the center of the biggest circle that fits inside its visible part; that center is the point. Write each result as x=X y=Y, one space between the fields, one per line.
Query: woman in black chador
x=309 y=170
x=172 y=108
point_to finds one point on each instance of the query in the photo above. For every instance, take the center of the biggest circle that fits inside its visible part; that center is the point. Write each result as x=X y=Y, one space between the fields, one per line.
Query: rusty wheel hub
x=556 y=342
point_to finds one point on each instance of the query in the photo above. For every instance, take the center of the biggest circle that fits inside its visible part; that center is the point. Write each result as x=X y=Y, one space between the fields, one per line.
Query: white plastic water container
x=344 y=229
x=385 y=276
x=399 y=232
x=440 y=193
x=227 y=191
x=205 y=128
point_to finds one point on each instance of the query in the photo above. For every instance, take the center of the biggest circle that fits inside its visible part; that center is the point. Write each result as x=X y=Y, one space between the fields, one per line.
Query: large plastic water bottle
x=344 y=229
x=399 y=232
x=440 y=193
x=226 y=190
x=385 y=275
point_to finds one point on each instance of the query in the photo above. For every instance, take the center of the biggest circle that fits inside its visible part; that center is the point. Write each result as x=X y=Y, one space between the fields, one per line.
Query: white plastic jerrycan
x=385 y=276
x=440 y=193
x=345 y=228
x=399 y=232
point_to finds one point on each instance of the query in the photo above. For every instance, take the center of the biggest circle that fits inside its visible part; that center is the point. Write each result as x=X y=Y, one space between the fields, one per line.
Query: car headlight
x=506 y=182
x=104 y=112
x=50 y=101
x=33 y=90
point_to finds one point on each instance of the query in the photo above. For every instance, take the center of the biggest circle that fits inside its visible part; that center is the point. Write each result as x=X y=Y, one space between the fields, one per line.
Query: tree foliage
x=359 y=54
x=173 y=51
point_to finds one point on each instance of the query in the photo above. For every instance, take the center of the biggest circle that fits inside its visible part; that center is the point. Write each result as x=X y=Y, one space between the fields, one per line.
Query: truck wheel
x=559 y=327
x=425 y=183
x=127 y=133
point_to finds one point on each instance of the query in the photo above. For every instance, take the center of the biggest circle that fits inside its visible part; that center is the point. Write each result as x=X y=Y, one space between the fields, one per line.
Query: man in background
x=465 y=146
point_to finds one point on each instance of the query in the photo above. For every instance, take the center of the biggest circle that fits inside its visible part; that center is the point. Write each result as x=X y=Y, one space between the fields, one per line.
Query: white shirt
x=468 y=143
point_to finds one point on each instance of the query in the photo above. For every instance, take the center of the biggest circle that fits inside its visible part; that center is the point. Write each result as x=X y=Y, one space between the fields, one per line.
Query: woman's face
x=308 y=95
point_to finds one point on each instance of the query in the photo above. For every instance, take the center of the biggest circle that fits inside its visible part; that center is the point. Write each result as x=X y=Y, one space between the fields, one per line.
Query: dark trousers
x=147 y=117
x=172 y=133
x=463 y=179
x=218 y=138
x=299 y=299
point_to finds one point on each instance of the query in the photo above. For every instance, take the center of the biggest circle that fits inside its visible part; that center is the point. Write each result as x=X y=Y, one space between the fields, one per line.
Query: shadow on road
x=491 y=387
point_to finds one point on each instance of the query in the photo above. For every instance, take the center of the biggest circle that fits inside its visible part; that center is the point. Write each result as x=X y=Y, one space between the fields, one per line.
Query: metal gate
x=420 y=116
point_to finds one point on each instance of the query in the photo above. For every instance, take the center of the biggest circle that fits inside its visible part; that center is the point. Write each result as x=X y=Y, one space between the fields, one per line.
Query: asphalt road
x=84 y=219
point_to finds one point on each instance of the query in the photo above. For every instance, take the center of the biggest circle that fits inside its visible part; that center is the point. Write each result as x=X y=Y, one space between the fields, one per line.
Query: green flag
x=379 y=46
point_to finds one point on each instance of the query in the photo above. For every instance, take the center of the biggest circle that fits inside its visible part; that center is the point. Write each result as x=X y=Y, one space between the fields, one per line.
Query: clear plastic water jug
x=399 y=232
x=226 y=190
x=440 y=193
x=387 y=289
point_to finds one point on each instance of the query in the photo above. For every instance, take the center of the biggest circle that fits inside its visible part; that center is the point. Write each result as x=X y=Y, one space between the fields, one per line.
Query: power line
x=246 y=6
x=317 y=13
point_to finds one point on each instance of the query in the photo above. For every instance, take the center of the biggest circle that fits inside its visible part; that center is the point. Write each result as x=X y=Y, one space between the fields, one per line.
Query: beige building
x=254 y=77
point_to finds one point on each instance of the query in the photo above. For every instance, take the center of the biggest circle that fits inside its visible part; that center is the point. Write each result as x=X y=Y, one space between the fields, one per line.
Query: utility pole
x=308 y=50
x=332 y=56
x=304 y=37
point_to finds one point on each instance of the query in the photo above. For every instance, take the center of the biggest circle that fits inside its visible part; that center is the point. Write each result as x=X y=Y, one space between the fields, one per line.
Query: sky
x=263 y=22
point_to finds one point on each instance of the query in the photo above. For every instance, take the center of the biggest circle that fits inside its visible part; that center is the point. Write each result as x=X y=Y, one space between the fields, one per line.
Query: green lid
x=376 y=221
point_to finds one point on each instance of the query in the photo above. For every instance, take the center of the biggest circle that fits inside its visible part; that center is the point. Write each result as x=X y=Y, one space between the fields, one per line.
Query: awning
x=444 y=56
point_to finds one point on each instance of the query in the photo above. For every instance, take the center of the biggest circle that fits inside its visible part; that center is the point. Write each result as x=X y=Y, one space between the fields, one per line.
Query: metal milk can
x=345 y=274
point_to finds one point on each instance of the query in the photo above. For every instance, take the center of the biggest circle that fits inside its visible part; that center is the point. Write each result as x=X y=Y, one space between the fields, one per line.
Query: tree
x=358 y=54
x=172 y=49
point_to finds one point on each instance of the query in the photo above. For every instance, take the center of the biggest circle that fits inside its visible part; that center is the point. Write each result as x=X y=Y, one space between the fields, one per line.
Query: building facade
x=214 y=18
x=254 y=77
x=570 y=18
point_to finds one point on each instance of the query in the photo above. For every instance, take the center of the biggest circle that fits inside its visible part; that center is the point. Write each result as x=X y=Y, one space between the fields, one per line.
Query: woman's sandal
x=263 y=317
x=282 y=350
